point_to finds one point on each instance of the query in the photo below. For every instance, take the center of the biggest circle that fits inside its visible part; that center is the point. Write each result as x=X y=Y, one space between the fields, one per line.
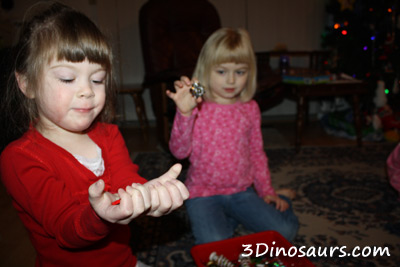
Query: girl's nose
x=231 y=78
x=85 y=90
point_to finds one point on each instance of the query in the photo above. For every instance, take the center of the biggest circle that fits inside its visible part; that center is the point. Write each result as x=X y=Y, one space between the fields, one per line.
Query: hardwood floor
x=15 y=247
x=313 y=135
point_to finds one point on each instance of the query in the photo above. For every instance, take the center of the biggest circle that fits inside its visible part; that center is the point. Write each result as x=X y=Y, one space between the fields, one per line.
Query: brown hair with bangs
x=55 y=31
x=227 y=45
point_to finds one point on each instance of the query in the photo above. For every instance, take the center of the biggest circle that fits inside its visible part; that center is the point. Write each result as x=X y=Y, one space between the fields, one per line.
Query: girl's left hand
x=134 y=201
x=280 y=203
x=167 y=192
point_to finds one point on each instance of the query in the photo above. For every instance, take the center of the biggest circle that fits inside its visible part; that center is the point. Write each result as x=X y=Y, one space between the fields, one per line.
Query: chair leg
x=141 y=113
x=165 y=124
x=159 y=103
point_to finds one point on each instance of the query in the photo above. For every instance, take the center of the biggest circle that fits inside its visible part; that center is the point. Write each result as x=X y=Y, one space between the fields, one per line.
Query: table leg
x=299 y=122
x=357 y=119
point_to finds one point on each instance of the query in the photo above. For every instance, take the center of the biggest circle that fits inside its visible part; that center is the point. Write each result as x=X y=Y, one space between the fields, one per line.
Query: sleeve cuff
x=90 y=226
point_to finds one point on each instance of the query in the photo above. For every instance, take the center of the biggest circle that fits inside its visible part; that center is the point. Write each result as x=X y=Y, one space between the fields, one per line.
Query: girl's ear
x=23 y=85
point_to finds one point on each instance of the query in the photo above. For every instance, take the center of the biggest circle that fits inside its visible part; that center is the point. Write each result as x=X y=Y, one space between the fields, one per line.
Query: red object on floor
x=233 y=247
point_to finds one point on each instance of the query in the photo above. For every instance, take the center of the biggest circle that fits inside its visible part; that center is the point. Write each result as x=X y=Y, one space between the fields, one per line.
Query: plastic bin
x=233 y=247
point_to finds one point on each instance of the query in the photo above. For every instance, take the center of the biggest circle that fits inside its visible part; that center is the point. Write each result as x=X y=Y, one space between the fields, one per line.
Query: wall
x=297 y=24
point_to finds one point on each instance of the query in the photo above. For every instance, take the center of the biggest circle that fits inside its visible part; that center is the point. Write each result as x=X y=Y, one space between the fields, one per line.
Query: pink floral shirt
x=225 y=148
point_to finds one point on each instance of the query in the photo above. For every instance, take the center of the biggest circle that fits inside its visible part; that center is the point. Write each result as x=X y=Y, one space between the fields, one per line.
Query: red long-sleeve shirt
x=49 y=189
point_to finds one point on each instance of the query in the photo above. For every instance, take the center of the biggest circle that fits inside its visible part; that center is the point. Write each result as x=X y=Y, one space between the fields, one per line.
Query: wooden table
x=303 y=92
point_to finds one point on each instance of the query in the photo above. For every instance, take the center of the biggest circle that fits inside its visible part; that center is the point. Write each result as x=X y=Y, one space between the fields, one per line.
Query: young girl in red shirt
x=70 y=167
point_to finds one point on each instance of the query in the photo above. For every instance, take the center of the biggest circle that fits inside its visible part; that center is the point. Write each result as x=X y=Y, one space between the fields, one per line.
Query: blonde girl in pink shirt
x=228 y=178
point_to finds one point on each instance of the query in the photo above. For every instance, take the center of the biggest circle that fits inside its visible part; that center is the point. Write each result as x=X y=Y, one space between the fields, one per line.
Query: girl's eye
x=99 y=77
x=98 y=81
x=241 y=72
x=66 y=80
x=220 y=71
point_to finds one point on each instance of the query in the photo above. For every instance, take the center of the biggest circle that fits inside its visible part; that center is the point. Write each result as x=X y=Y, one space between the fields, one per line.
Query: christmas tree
x=364 y=38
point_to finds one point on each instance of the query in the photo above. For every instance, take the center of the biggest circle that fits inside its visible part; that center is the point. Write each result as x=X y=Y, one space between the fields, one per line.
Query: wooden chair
x=270 y=90
x=136 y=91
x=172 y=34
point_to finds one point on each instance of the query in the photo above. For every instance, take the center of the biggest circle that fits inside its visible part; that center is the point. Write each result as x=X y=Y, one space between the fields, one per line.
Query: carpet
x=344 y=199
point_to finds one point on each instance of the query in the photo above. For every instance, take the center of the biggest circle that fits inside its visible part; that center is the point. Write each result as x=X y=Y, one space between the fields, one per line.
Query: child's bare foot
x=287 y=192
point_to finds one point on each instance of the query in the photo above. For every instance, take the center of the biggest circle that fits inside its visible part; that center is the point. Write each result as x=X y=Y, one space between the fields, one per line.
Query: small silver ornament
x=197 y=90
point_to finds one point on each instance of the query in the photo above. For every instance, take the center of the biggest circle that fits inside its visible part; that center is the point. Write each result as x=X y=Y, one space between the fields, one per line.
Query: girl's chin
x=80 y=128
x=84 y=128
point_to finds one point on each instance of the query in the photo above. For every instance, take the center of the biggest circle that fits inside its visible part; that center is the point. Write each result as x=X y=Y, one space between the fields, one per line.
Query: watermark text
x=263 y=249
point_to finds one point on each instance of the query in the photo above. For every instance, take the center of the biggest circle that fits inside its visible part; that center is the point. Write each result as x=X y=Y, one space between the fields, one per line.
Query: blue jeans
x=216 y=217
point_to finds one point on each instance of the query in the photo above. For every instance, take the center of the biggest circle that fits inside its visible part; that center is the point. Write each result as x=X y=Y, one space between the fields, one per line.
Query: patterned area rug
x=344 y=199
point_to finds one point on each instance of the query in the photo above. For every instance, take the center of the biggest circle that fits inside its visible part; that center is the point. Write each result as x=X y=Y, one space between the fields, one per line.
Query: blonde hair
x=227 y=45
x=56 y=31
